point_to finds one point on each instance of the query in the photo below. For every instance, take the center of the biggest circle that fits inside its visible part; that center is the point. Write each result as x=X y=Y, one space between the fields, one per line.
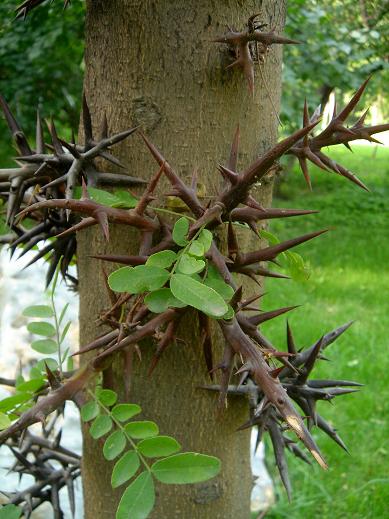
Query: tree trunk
x=153 y=63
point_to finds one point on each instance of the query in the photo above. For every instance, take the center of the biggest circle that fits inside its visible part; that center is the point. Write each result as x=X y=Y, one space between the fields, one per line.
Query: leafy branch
x=145 y=442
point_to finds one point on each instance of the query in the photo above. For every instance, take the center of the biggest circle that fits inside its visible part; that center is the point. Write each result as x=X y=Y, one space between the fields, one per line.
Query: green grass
x=349 y=281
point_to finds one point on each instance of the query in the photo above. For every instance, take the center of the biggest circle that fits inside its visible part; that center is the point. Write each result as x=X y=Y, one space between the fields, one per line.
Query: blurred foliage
x=344 y=42
x=41 y=62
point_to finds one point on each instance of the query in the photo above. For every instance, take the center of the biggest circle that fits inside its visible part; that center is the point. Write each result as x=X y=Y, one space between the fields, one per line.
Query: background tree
x=345 y=42
x=41 y=63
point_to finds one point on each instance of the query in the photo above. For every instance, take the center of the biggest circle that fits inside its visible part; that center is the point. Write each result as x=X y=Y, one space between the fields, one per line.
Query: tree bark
x=153 y=63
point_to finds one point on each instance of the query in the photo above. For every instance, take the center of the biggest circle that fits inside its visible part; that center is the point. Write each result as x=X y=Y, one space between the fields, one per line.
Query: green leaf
x=65 y=332
x=138 y=499
x=212 y=272
x=190 y=265
x=163 y=259
x=114 y=445
x=189 y=467
x=98 y=195
x=9 y=403
x=125 y=468
x=41 y=328
x=229 y=314
x=196 y=249
x=198 y=295
x=40 y=367
x=271 y=238
x=89 y=411
x=123 y=412
x=10 y=512
x=41 y=311
x=125 y=199
x=5 y=422
x=158 y=446
x=215 y=280
x=19 y=380
x=297 y=269
x=205 y=237
x=180 y=230
x=63 y=313
x=31 y=386
x=101 y=426
x=45 y=346
x=226 y=291
x=70 y=364
x=162 y=299
x=136 y=280
x=140 y=430
x=107 y=397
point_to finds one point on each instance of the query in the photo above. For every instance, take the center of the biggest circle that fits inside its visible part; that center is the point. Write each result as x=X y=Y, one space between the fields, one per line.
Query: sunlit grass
x=349 y=281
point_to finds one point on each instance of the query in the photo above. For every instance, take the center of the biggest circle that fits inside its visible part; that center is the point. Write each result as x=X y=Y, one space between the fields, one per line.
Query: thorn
x=84 y=190
x=101 y=216
x=290 y=340
x=87 y=122
x=266 y=316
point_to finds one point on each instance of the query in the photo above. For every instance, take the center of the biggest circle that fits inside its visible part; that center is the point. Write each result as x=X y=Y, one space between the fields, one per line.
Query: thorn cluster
x=295 y=380
x=277 y=380
x=253 y=41
x=310 y=147
x=51 y=466
x=48 y=175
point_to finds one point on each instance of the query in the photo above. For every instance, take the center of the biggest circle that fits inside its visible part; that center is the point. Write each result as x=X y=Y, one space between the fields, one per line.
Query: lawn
x=349 y=280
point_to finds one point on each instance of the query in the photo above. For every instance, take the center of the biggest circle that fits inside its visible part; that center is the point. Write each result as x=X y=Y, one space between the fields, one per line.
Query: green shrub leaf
x=271 y=238
x=41 y=328
x=162 y=299
x=5 y=422
x=163 y=259
x=196 y=249
x=98 y=195
x=63 y=313
x=190 y=265
x=41 y=311
x=107 y=397
x=45 y=346
x=125 y=468
x=226 y=291
x=65 y=332
x=158 y=446
x=188 y=467
x=136 y=280
x=180 y=230
x=40 y=367
x=101 y=426
x=229 y=314
x=123 y=412
x=138 y=499
x=89 y=411
x=114 y=445
x=140 y=430
x=10 y=512
x=205 y=237
x=31 y=386
x=125 y=199
x=198 y=295
x=9 y=403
